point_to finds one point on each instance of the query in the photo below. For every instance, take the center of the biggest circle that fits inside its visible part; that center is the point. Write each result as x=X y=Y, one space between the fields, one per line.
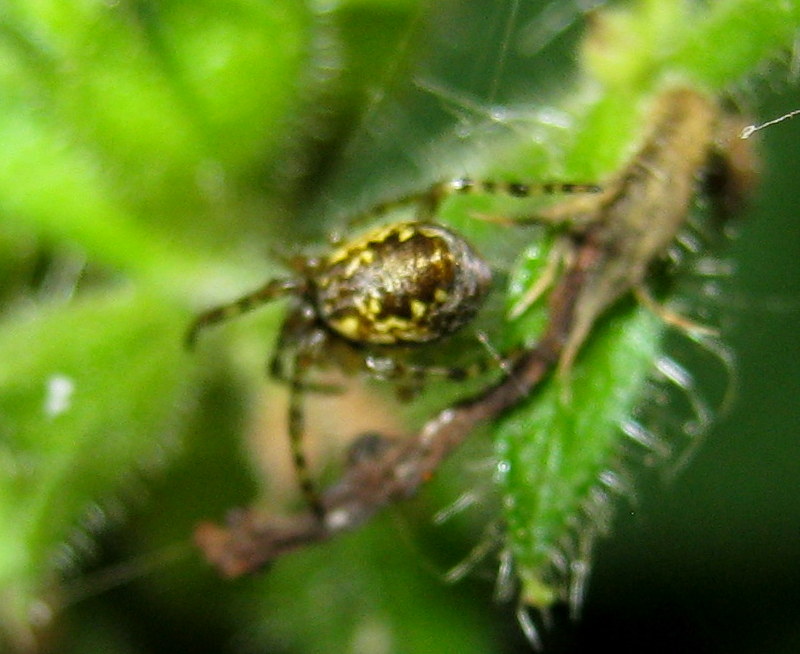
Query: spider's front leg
x=297 y=331
x=303 y=340
x=307 y=343
x=426 y=203
x=273 y=289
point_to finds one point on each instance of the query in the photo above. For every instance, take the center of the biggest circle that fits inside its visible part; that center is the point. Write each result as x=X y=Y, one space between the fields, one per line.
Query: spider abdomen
x=409 y=282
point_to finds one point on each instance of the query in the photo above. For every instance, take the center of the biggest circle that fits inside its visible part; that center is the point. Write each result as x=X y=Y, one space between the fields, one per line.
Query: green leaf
x=88 y=400
x=124 y=123
x=640 y=43
x=555 y=450
x=369 y=593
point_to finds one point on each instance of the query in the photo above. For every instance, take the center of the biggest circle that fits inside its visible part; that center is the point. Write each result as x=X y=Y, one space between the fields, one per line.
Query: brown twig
x=250 y=541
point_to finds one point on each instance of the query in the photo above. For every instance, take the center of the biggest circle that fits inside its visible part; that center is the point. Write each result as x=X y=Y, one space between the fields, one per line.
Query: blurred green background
x=160 y=156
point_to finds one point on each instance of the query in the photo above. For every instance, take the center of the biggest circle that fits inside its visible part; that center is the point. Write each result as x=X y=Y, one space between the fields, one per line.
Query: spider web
x=471 y=76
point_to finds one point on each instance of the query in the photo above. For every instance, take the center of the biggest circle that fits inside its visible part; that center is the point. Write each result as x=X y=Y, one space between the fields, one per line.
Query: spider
x=396 y=286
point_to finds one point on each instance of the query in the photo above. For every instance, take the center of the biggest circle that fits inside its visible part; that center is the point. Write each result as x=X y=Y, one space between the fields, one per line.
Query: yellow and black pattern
x=410 y=282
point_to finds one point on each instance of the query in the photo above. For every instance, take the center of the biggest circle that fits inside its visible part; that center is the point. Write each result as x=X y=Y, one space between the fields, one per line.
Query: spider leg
x=273 y=289
x=427 y=202
x=387 y=368
x=294 y=332
x=279 y=374
x=300 y=345
x=303 y=360
x=410 y=377
x=401 y=371
x=467 y=186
